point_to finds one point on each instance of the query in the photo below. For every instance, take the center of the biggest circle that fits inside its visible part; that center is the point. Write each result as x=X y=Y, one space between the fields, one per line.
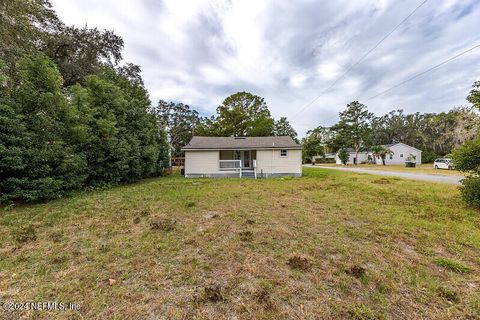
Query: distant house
x=361 y=157
x=327 y=157
x=401 y=154
x=242 y=157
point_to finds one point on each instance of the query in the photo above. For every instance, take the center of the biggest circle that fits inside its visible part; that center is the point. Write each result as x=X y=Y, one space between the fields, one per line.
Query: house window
x=283 y=153
x=401 y=155
x=391 y=157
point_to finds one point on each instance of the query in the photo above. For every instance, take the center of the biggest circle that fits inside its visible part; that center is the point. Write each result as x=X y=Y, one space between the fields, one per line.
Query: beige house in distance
x=252 y=157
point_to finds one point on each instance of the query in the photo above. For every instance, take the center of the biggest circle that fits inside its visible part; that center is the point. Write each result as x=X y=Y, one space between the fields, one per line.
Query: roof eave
x=244 y=148
x=406 y=145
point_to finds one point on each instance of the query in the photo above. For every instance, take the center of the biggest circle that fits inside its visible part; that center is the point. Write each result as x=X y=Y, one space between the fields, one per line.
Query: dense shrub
x=37 y=159
x=470 y=190
x=51 y=142
x=428 y=156
x=467 y=159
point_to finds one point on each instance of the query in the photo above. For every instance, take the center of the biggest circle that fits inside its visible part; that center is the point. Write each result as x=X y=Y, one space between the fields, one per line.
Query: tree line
x=71 y=116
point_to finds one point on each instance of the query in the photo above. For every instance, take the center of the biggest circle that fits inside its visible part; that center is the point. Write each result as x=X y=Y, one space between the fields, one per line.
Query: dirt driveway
x=406 y=175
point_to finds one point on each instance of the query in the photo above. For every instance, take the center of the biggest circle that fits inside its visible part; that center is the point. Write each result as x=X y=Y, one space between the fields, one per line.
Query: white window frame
x=286 y=153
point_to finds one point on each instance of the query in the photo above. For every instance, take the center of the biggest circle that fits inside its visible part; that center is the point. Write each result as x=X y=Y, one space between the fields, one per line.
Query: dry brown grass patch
x=137 y=220
x=56 y=236
x=211 y=214
x=299 y=263
x=356 y=271
x=382 y=181
x=250 y=221
x=264 y=297
x=163 y=224
x=24 y=234
x=211 y=293
x=246 y=236
x=448 y=294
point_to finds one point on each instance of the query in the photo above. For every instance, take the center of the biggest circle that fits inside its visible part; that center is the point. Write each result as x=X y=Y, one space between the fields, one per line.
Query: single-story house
x=361 y=157
x=327 y=157
x=258 y=157
x=401 y=154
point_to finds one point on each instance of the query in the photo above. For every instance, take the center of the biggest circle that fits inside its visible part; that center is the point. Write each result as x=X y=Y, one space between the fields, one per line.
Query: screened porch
x=242 y=161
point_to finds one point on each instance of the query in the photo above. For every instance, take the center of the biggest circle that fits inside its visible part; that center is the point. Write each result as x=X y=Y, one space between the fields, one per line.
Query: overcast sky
x=199 y=52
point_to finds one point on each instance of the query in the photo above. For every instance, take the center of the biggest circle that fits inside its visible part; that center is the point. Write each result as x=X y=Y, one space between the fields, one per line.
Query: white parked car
x=443 y=163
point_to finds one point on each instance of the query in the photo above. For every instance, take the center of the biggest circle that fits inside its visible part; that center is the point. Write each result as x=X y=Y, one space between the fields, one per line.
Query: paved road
x=407 y=175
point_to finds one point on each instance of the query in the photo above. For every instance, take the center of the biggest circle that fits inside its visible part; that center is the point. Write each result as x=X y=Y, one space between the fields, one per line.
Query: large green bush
x=38 y=160
x=51 y=141
x=470 y=190
x=428 y=156
x=467 y=159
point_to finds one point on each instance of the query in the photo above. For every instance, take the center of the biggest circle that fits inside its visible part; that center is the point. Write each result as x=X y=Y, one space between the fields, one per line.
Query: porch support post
x=240 y=168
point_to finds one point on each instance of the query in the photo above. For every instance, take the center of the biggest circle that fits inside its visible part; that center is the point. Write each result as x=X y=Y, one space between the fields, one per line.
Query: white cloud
x=329 y=71
x=298 y=80
x=200 y=51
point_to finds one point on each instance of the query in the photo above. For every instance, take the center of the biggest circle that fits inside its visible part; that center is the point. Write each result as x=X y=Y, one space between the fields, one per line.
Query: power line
x=423 y=72
x=416 y=76
x=359 y=61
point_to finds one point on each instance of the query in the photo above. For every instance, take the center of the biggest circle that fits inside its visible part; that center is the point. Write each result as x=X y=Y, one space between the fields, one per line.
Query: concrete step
x=248 y=174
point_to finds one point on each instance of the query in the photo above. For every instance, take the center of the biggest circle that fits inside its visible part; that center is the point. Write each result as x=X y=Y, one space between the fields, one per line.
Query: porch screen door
x=237 y=155
x=246 y=159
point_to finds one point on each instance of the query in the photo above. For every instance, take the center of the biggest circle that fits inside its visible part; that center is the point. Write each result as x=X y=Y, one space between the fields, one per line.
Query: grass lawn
x=423 y=168
x=329 y=245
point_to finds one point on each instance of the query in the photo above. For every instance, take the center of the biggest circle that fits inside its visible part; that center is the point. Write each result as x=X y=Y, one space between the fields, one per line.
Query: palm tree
x=376 y=150
x=381 y=152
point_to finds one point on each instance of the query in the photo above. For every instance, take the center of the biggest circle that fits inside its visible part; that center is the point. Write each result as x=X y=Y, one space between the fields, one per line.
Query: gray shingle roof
x=352 y=150
x=228 y=143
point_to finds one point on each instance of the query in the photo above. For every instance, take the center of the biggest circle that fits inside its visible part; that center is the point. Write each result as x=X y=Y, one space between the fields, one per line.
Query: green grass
x=452 y=265
x=332 y=243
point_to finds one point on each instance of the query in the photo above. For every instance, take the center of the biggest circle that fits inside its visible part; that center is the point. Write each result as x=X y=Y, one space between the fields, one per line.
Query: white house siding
x=271 y=164
x=362 y=157
x=198 y=163
x=400 y=154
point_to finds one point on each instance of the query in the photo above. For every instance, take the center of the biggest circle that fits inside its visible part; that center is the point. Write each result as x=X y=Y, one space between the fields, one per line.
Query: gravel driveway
x=407 y=175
